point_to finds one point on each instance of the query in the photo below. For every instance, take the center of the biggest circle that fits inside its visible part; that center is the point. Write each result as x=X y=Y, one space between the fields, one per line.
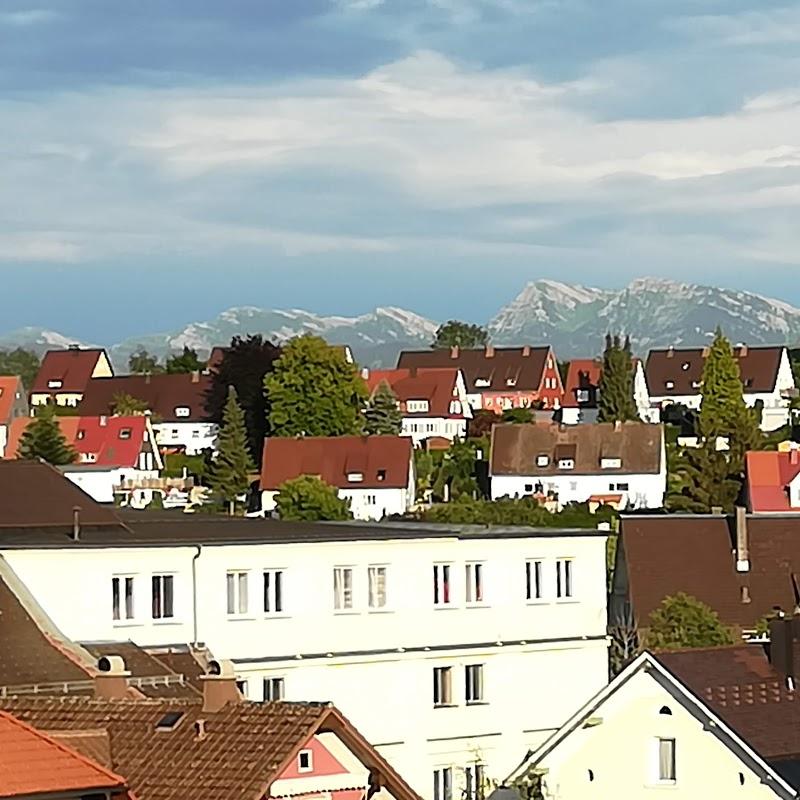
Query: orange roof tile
x=768 y=476
x=437 y=386
x=9 y=386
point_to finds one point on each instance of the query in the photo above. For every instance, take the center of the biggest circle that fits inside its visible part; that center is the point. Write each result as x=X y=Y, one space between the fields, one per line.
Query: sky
x=162 y=160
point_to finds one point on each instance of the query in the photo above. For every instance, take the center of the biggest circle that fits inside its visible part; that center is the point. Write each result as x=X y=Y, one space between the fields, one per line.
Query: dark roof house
x=67 y=372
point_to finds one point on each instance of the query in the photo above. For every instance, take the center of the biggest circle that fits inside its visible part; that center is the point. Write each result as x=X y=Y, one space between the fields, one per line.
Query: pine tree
x=616 y=403
x=43 y=439
x=701 y=478
x=382 y=416
x=229 y=473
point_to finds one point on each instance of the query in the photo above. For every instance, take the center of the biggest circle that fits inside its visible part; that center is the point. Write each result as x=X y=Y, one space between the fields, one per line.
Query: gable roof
x=497 y=365
x=101 y=441
x=245 y=748
x=73 y=367
x=684 y=369
x=768 y=474
x=162 y=393
x=383 y=461
x=646 y=662
x=35 y=764
x=9 y=386
x=662 y=555
x=582 y=373
x=515 y=448
x=438 y=386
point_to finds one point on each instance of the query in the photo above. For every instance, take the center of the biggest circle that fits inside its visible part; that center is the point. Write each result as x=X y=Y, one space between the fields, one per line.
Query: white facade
x=422 y=428
x=99 y=482
x=194 y=437
x=533 y=633
x=365 y=504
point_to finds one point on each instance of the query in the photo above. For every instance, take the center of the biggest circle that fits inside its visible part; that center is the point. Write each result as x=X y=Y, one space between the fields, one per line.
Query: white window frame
x=475 y=583
x=565 y=578
x=237 y=589
x=273 y=586
x=610 y=463
x=344 y=594
x=377 y=587
x=443 y=687
x=417 y=406
x=443 y=584
x=672 y=767
x=542 y=461
x=164 y=579
x=566 y=463
x=474 y=684
x=183 y=411
x=55 y=383
x=474 y=777
x=123 y=611
x=534 y=580
x=443 y=783
x=310 y=761
x=273 y=685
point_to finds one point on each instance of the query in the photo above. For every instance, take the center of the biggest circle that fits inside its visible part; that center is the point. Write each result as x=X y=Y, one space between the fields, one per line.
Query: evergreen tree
x=683 y=621
x=314 y=391
x=309 y=499
x=19 y=361
x=460 y=334
x=616 y=403
x=382 y=415
x=187 y=361
x=229 y=473
x=701 y=478
x=517 y=416
x=43 y=439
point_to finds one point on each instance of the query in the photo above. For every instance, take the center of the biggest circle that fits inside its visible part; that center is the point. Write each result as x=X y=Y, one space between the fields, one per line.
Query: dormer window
x=381 y=475
x=125 y=433
x=182 y=411
x=695 y=384
x=685 y=366
x=610 y=463
x=55 y=384
x=88 y=458
x=669 y=384
x=81 y=434
x=417 y=406
x=566 y=463
x=483 y=382
x=582 y=395
x=355 y=477
x=542 y=460
x=511 y=382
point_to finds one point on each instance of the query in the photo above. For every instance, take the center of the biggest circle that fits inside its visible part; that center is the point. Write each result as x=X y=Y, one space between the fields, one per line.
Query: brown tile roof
x=94 y=744
x=73 y=367
x=162 y=393
x=437 y=386
x=498 y=365
x=245 y=748
x=684 y=369
x=662 y=555
x=384 y=461
x=515 y=448
x=33 y=763
x=24 y=485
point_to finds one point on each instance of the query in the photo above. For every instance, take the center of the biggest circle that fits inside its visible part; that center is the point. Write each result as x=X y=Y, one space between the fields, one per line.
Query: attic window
x=416 y=406
x=305 y=761
x=566 y=463
x=56 y=384
x=169 y=721
x=582 y=395
x=542 y=460
x=685 y=366
x=511 y=382
x=182 y=411
x=483 y=382
x=695 y=384
x=666 y=711
x=610 y=463
x=125 y=433
x=355 y=477
x=669 y=384
x=81 y=434
x=381 y=475
x=748 y=382
x=88 y=458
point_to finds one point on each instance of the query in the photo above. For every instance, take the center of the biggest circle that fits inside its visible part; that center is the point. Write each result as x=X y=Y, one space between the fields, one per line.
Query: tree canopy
x=382 y=416
x=454 y=333
x=187 y=361
x=19 y=361
x=481 y=423
x=309 y=499
x=314 y=391
x=125 y=405
x=141 y=362
x=43 y=439
x=616 y=403
x=518 y=416
x=684 y=621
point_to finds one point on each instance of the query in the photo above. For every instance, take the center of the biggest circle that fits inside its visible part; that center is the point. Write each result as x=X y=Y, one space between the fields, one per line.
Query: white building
x=374 y=473
x=621 y=464
x=674 y=377
x=453 y=651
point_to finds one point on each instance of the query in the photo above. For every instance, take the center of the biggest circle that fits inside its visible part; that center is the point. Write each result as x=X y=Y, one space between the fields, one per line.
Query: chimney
x=743 y=350
x=195 y=376
x=706 y=351
x=103 y=420
x=199 y=730
x=454 y=351
x=782 y=635
x=74 y=347
x=147 y=377
x=76 y=523
x=794 y=456
x=670 y=352
x=365 y=373
x=617 y=425
x=111 y=681
x=526 y=351
x=489 y=351
x=742 y=543
x=219 y=686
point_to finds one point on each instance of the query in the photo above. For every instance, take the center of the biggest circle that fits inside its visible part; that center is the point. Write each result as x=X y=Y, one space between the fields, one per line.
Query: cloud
x=30 y=17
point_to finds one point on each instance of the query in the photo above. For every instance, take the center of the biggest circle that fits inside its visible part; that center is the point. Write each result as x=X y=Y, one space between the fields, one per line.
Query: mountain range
x=573 y=318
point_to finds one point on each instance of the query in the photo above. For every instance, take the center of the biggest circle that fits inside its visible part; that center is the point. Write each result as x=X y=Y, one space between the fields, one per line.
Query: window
x=195 y=433
x=474 y=582
x=54 y=384
x=122 y=597
x=484 y=382
x=342 y=588
x=473 y=683
x=443 y=784
x=685 y=366
x=417 y=406
x=163 y=596
x=666 y=760
x=273 y=591
x=511 y=382
x=237 y=593
x=528 y=488
x=355 y=477
x=564 y=577
x=125 y=433
x=371 y=499
x=441 y=585
x=566 y=463
x=669 y=384
x=442 y=686
x=273 y=690
x=182 y=411
x=241 y=685
x=376 y=577
x=582 y=395
x=610 y=463
x=381 y=475
x=542 y=460
x=81 y=434
x=533 y=580
x=473 y=782
x=305 y=761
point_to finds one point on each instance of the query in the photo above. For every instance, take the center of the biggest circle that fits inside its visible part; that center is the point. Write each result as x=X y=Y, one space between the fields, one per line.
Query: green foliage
x=424 y=466
x=141 y=363
x=616 y=403
x=43 y=439
x=309 y=499
x=482 y=421
x=701 y=478
x=19 y=361
x=456 y=475
x=187 y=361
x=683 y=621
x=229 y=474
x=382 y=415
x=460 y=334
x=125 y=405
x=174 y=464
x=518 y=416
x=314 y=391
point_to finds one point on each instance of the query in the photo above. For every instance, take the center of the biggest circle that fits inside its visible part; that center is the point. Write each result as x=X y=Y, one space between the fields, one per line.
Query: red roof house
x=13 y=404
x=64 y=374
x=773 y=482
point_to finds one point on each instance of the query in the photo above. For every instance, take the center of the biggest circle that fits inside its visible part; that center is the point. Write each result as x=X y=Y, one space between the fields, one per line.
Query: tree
x=457 y=476
x=518 y=416
x=309 y=499
x=126 y=405
x=382 y=415
x=616 y=403
x=230 y=470
x=43 y=439
x=314 y=391
x=187 y=361
x=141 y=363
x=460 y=334
x=19 y=361
x=243 y=366
x=683 y=621
x=700 y=479
x=482 y=422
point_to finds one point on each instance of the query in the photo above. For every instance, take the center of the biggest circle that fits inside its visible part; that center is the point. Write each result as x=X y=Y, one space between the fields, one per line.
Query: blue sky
x=163 y=160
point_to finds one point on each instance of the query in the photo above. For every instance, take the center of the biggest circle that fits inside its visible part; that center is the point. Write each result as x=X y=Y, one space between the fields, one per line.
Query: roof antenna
x=76 y=523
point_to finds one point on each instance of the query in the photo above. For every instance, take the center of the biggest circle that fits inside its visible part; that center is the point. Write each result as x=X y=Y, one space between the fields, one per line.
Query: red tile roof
x=33 y=763
x=9 y=386
x=384 y=461
x=438 y=386
x=768 y=476
x=102 y=441
x=582 y=373
x=73 y=367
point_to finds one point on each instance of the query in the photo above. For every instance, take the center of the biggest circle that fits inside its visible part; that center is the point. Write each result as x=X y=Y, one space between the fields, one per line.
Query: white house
x=454 y=651
x=674 y=376
x=375 y=473
x=622 y=464
x=647 y=735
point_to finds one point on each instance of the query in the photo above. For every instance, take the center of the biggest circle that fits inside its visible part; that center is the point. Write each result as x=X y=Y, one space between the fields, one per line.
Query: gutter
x=194 y=592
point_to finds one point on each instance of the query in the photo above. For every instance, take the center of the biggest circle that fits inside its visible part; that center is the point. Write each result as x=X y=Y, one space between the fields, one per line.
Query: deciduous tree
x=125 y=405
x=684 y=621
x=43 y=439
x=309 y=499
x=616 y=403
x=187 y=361
x=518 y=416
x=141 y=363
x=382 y=415
x=454 y=333
x=229 y=474
x=481 y=423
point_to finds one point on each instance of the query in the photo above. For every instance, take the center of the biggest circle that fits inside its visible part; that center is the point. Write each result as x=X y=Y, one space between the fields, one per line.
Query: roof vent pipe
x=76 y=523
x=742 y=541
